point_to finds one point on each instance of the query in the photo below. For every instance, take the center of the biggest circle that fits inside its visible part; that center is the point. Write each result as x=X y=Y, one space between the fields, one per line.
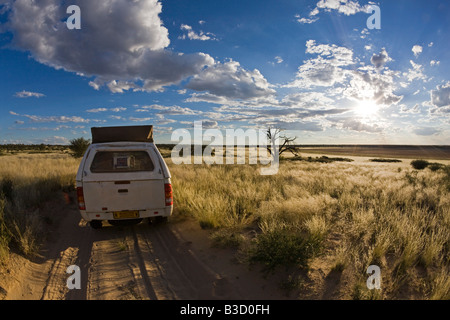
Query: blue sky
x=312 y=68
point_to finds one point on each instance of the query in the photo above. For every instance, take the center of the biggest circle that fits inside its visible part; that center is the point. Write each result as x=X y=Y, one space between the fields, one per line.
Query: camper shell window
x=121 y=161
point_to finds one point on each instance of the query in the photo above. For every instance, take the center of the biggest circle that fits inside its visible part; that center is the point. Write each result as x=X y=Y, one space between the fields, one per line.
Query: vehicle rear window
x=121 y=161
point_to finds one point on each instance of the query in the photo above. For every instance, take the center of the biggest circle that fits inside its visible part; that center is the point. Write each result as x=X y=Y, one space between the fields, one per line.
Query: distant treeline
x=391 y=146
x=366 y=147
x=49 y=147
x=32 y=147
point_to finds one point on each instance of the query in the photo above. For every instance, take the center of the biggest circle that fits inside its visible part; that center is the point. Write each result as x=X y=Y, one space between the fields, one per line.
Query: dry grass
x=26 y=181
x=341 y=216
x=351 y=215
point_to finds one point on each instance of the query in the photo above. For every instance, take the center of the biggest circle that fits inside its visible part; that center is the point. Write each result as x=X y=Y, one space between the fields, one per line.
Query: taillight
x=80 y=197
x=168 y=194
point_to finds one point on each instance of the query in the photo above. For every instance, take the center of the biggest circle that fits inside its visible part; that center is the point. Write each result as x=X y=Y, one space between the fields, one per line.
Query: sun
x=367 y=108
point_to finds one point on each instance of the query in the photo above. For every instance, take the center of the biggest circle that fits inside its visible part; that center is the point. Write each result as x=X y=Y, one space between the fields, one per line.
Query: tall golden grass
x=26 y=182
x=344 y=216
x=351 y=215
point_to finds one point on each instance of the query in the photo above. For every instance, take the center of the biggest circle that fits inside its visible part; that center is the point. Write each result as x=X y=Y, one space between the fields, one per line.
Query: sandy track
x=169 y=261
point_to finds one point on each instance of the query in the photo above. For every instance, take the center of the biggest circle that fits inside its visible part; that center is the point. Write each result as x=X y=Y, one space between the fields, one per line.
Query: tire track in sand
x=174 y=270
x=140 y=262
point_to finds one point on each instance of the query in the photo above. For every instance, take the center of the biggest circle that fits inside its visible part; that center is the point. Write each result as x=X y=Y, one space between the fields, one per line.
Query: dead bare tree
x=286 y=143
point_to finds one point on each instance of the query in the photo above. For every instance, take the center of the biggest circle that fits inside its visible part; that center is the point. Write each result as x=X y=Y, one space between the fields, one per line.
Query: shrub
x=280 y=247
x=228 y=238
x=446 y=179
x=434 y=166
x=385 y=160
x=6 y=188
x=322 y=159
x=79 y=146
x=419 y=164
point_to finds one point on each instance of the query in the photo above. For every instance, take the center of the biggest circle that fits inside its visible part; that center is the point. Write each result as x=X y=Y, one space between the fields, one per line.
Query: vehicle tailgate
x=123 y=195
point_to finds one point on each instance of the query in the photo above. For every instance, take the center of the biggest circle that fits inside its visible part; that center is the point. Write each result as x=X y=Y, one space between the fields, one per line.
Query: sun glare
x=367 y=108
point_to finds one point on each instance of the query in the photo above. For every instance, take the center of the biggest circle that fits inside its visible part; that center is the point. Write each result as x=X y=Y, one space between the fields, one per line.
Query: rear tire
x=161 y=219
x=127 y=222
x=95 y=224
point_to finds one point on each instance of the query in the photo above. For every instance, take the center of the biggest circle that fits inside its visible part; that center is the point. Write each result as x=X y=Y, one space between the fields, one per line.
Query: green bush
x=385 y=160
x=284 y=248
x=434 y=166
x=446 y=179
x=6 y=188
x=79 y=146
x=322 y=159
x=419 y=164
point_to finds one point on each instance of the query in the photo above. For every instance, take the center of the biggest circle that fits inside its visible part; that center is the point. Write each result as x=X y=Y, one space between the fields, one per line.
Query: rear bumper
x=159 y=212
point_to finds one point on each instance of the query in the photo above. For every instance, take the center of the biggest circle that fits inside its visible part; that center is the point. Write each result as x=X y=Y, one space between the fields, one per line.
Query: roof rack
x=122 y=133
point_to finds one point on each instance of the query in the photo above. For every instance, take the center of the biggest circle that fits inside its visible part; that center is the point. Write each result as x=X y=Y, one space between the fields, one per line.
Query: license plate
x=126 y=214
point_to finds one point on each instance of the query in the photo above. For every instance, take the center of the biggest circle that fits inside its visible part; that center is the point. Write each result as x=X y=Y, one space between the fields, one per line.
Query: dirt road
x=167 y=261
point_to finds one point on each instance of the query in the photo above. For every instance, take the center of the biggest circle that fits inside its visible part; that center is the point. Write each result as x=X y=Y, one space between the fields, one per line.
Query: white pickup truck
x=123 y=178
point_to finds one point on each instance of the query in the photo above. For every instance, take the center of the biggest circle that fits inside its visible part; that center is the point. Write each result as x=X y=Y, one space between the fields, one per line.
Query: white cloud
x=346 y=7
x=324 y=70
x=229 y=80
x=434 y=63
x=116 y=117
x=161 y=120
x=192 y=35
x=338 y=55
x=309 y=100
x=416 y=49
x=306 y=20
x=405 y=109
x=95 y=85
x=57 y=128
x=364 y=33
x=379 y=60
x=208 y=124
x=296 y=112
x=29 y=94
x=124 y=48
x=171 y=110
x=57 y=119
x=334 y=67
x=118 y=109
x=370 y=84
x=441 y=96
x=210 y=98
x=135 y=119
x=291 y=124
x=122 y=45
x=56 y=140
x=121 y=86
x=426 y=131
x=415 y=73
x=278 y=59
x=356 y=125
x=96 y=110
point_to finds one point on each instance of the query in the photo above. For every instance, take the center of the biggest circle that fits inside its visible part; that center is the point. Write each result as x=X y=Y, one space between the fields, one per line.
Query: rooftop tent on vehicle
x=122 y=133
